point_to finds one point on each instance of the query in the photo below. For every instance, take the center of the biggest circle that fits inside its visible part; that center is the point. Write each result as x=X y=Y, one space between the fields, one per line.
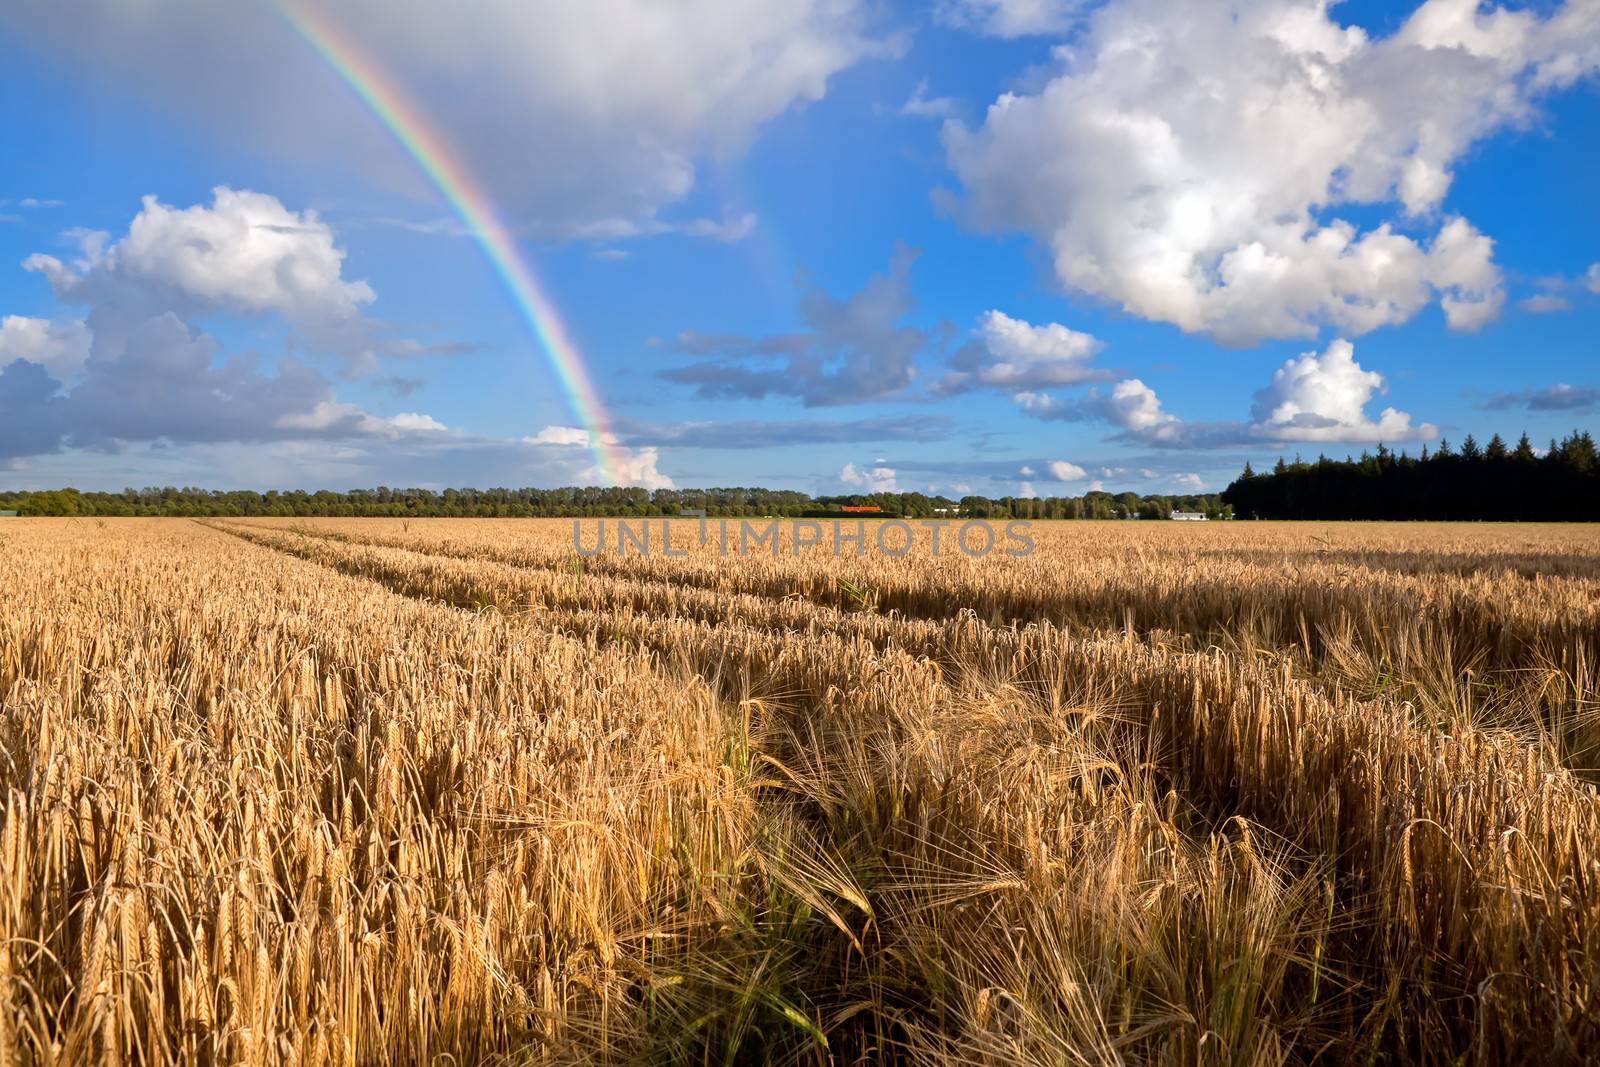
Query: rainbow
x=410 y=127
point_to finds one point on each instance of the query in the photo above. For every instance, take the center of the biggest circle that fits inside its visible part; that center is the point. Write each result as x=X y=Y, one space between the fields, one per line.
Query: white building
x=1189 y=516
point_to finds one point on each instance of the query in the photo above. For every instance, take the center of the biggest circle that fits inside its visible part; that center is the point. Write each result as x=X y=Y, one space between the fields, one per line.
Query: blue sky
x=992 y=246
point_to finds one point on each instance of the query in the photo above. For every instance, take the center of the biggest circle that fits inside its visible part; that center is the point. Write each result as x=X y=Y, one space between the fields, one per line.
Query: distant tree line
x=1492 y=481
x=530 y=503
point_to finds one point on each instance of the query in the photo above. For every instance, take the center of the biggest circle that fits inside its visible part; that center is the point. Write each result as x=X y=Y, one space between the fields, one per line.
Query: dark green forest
x=1487 y=482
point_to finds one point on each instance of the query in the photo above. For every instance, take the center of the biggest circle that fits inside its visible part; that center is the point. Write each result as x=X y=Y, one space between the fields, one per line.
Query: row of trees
x=518 y=503
x=1493 y=481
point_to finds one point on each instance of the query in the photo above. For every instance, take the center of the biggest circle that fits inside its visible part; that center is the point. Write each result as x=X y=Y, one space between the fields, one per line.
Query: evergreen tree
x=1476 y=483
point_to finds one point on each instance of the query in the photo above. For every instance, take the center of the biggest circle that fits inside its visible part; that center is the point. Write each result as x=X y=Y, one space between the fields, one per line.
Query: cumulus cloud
x=631 y=466
x=1323 y=397
x=1591 y=278
x=244 y=253
x=1134 y=406
x=1018 y=356
x=1063 y=471
x=854 y=350
x=1214 y=210
x=1010 y=18
x=638 y=469
x=869 y=480
x=59 y=347
x=1558 y=397
x=1317 y=396
x=567 y=112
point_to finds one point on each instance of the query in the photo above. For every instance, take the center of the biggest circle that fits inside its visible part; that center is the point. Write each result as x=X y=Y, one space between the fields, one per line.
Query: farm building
x=1189 y=516
x=9 y=514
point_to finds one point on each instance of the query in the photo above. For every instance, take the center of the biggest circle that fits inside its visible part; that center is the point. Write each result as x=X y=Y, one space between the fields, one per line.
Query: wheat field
x=445 y=791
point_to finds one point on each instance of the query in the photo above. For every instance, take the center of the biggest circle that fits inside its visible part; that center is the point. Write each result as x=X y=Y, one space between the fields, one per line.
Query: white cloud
x=871 y=480
x=1591 y=278
x=59 y=347
x=1019 y=356
x=348 y=420
x=1545 y=303
x=560 y=435
x=1027 y=472
x=1135 y=407
x=1025 y=354
x=1185 y=161
x=36 y=202
x=1324 y=397
x=246 y=251
x=415 y=422
x=1026 y=491
x=242 y=253
x=1039 y=405
x=1063 y=471
x=567 y=113
x=920 y=105
x=635 y=468
x=1191 y=482
x=1010 y=18
x=1313 y=397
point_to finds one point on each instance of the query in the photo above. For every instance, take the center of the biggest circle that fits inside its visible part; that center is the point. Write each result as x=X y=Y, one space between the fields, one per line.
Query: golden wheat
x=362 y=791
